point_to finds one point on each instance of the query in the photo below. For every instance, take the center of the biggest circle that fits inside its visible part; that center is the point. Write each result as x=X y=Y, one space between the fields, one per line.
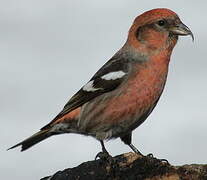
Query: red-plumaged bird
x=122 y=94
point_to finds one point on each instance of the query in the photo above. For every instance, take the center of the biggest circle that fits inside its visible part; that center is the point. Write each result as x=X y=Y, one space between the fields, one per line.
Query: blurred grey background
x=50 y=48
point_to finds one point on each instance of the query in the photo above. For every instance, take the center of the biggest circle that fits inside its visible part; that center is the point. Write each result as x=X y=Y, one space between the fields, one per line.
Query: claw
x=150 y=155
x=106 y=157
x=165 y=161
x=102 y=155
x=162 y=160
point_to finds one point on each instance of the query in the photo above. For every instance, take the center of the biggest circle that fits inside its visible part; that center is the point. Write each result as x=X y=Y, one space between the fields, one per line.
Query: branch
x=131 y=166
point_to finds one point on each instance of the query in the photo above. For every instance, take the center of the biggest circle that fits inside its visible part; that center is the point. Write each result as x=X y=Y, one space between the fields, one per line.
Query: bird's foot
x=165 y=161
x=150 y=155
x=106 y=157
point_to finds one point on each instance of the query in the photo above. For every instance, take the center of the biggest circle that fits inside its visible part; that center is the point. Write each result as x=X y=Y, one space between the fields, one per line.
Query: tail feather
x=32 y=140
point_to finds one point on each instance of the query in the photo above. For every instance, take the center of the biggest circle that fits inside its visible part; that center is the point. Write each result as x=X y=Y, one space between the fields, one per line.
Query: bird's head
x=156 y=30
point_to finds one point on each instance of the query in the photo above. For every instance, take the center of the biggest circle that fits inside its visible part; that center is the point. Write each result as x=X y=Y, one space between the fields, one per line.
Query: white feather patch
x=89 y=87
x=113 y=75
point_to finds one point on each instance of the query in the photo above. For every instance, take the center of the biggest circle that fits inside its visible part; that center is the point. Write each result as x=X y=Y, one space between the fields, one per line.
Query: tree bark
x=131 y=166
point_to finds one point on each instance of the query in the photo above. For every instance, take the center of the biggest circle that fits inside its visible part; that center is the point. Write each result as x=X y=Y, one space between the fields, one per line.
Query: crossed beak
x=182 y=30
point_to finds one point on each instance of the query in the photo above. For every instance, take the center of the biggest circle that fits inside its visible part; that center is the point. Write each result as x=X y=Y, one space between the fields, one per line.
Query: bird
x=125 y=90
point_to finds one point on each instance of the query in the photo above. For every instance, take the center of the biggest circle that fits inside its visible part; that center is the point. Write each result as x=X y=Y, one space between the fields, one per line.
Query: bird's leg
x=106 y=157
x=104 y=154
x=135 y=149
x=148 y=155
x=103 y=147
x=127 y=139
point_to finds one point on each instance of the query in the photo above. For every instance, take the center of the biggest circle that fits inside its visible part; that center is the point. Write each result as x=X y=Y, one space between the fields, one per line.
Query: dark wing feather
x=102 y=86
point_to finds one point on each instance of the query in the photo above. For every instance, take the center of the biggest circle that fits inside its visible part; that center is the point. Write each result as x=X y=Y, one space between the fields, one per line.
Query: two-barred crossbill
x=123 y=93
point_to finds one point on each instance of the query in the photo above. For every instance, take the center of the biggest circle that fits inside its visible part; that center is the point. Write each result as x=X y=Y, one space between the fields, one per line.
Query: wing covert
x=108 y=78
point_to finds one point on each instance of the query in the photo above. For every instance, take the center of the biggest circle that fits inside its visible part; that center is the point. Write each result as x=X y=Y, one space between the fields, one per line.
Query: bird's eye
x=161 y=22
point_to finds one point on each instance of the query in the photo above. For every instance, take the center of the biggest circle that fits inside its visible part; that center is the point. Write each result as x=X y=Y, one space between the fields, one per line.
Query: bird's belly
x=118 y=112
